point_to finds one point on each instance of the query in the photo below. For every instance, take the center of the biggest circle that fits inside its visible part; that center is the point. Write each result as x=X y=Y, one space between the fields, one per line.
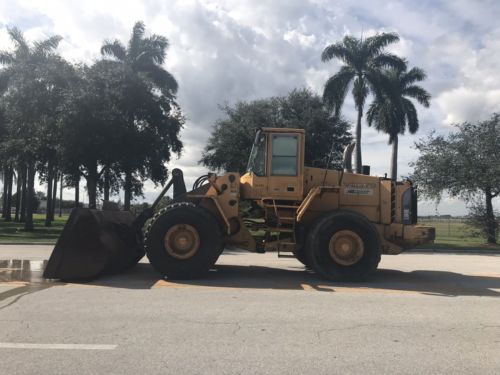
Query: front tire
x=301 y=256
x=344 y=246
x=183 y=241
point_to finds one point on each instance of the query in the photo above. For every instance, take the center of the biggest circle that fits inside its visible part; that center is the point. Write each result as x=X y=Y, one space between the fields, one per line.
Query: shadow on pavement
x=143 y=276
x=439 y=283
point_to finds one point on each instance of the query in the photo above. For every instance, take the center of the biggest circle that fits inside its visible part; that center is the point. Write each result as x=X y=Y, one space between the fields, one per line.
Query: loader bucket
x=94 y=243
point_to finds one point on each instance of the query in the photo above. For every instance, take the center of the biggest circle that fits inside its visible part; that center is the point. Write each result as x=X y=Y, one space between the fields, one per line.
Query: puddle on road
x=29 y=273
x=22 y=270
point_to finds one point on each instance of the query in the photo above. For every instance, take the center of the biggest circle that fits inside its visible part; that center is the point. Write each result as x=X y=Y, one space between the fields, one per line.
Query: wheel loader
x=335 y=222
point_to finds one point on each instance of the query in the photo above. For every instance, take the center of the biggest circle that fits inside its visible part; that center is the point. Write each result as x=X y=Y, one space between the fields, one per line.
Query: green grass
x=456 y=234
x=13 y=232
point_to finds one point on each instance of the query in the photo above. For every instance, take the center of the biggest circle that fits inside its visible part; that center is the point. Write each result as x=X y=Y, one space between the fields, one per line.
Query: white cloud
x=465 y=104
x=296 y=37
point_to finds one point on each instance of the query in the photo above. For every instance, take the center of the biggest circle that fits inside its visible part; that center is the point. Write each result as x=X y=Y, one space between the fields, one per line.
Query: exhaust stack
x=347 y=159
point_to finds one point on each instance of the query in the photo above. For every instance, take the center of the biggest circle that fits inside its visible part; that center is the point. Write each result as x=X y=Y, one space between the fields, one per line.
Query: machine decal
x=359 y=188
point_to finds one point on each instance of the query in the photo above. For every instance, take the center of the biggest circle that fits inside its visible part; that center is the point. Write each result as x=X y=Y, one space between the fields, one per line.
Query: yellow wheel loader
x=335 y=222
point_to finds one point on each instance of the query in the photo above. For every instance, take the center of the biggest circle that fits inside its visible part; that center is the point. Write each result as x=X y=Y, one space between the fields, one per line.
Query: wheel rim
x=346 y=247
x=182 y=241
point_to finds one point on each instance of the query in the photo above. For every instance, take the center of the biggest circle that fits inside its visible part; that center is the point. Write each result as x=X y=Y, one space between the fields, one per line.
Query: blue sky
x=222 y=51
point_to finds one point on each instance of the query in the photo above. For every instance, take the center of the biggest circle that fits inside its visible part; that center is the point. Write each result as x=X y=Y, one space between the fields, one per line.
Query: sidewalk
x=43 y=251
x=21 y=252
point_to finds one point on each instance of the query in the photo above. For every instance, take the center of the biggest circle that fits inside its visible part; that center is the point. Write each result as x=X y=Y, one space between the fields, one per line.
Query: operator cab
x=276 y=165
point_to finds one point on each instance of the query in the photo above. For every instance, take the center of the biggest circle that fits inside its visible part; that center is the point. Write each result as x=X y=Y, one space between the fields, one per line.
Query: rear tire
x=183 y=241
x=344 y=246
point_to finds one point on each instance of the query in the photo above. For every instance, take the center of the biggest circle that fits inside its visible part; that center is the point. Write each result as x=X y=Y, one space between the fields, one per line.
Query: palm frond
x=413 y=75
x=377 y=42
x=418 y=93
x=382 y=117
x=387 y=116
x=136 y=38
x=161 y=78
x=6 y=58
x=47 y=45
x=389 y=60
x=159 y=44
x=372 y=112
x=411 y=115
x=152 y=49
x=115 y=49
x=351 y=43
x=378 y=82
x=17 y=37
x=339 y=51
x=4 y=80
x=360 y=91
x=336 y=88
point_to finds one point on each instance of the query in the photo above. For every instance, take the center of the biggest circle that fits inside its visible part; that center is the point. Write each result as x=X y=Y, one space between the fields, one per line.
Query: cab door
x=286 y=165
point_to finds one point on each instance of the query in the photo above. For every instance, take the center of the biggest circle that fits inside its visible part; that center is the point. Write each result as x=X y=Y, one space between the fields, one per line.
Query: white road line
x=19 y=345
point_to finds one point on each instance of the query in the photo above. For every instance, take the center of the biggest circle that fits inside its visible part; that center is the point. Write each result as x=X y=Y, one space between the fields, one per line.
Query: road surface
x=254 y=314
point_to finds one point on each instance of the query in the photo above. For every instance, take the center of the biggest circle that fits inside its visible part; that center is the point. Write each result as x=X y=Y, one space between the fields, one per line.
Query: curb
x=454 y=251
x=27 y=243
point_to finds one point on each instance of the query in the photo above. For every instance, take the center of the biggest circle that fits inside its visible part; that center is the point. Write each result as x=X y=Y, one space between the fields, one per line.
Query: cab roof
x=283 y=130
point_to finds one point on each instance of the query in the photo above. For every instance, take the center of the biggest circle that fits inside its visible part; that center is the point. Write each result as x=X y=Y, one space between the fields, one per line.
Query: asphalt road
x=254 y=314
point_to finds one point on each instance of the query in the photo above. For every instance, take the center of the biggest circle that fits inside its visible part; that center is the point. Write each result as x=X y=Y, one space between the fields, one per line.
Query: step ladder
x=285 y=215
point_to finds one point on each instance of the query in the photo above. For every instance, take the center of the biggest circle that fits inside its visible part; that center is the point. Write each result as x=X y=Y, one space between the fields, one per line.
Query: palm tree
x=362 y=59
x=392 y=111
x=23 y=79
x=144 y=56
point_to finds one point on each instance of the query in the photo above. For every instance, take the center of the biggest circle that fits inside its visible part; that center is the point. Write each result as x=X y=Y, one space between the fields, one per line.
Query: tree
x=362 y=59
x=392 y=111
x=466 y=163
x=116 y=123
x=231 y=140
x=144 y=57
x=26 y=82
x=59 y=75
x=149 y=138
x=93 y=121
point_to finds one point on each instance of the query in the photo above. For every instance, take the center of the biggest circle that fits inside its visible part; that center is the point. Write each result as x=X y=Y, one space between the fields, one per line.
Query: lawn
x=455 y=234
x=13 y=232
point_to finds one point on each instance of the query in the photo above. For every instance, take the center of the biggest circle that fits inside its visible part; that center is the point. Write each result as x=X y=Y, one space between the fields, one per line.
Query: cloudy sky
x=223 y=51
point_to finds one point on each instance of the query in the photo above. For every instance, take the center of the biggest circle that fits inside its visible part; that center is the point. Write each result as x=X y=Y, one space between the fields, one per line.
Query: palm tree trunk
x=92 y=186
x=18 y=193
x=24 y=193
x=61 y=186
x=50 y=172
x=77 y=192
x=54 y=195
x=5 y=189
x=128 y=191
x=359 y=162
x=30 y=196
x=106 y=185
x=9 y=182
x=491 y=223
x=394 y=158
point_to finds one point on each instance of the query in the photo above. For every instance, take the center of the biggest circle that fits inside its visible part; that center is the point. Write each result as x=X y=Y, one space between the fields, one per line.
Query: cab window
x=257 y=159
x=284 y=155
